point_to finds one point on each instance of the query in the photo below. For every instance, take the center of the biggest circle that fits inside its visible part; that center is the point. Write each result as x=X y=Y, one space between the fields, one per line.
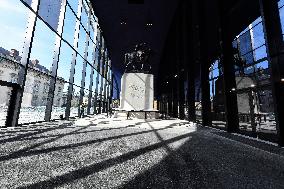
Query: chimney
x=14 y=53
x=34 y=62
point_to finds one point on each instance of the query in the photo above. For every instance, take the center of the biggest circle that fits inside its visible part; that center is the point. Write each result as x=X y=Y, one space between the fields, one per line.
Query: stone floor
x=98 y=152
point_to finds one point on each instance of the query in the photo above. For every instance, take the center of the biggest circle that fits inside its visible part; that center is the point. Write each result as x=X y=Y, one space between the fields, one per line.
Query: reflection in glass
x=49 y=10
x=258 y=36
x=60 y=100
x=15 y=27
x=42 y=48
x=69 y=26
x=35 y=96
x=64 y=64
x=75 y=101
x=4 y=102
x=78 y=71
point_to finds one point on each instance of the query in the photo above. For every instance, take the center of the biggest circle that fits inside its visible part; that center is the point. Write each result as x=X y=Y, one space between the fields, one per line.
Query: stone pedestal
x=137 y=92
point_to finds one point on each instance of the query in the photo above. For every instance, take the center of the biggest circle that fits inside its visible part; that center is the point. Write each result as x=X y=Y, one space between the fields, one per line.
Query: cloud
x=12 y=6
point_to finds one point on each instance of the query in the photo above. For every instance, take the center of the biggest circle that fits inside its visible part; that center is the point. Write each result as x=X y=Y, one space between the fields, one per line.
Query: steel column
x=73 y=62
x=26 y=51
x=229 y=81
x=82 y=90
x=274 y=43
x=56 y=54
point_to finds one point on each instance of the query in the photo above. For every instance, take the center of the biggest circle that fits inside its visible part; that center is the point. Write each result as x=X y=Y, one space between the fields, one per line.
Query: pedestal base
x=137 y=92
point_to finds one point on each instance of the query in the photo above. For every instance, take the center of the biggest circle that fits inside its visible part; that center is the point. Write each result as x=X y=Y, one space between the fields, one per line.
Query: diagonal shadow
x=26 y=149
x=40 y=131
x=17 y=154
x=96 y=167
x=84 y=132
x=181 y=165
x=171 y=166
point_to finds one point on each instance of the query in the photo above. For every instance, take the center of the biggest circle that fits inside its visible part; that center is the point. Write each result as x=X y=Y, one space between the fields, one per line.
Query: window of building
x=46 y=87
x=36 y=86
x=14 y=77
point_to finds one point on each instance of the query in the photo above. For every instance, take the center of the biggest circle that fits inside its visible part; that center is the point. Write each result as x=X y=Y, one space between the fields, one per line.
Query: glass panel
x=35 y=97
x=198 y=106
x=42 y=49
x=84 y=18
x=78 y=71
x=280 y=3
x=85 y=102
x=245 y=43
x=82 y=41
x=258 y=20
x=65 y=60
x=60 y=100
x=49 y=10
x=69 y=26
x=258 y=36
x=260 y=53
x=92 y=103
x=29 y=2
x=5 y=93
x=74 y=5
x=75 y=101
x=281 y=12
x=91 y=52
x=248 y=58
x=265 y=119
x=95 y=80
x=217 y=96
x=88 y=74
x=13 y=21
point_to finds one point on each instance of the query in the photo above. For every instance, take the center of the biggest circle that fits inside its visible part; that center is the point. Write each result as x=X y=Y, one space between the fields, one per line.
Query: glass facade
x=217 y=95
x=56 y=56
x=253 y=85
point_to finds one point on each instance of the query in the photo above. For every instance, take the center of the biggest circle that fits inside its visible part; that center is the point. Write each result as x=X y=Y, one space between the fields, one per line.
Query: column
x=73 y=63
x=229 y=82
x=15 y=104
x=274 y=43
x=191 y=62
x=202 y=45
x=82 y=90
x=53 y=77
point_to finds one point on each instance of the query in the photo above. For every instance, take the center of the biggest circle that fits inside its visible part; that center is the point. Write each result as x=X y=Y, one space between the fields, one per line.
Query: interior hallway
x=99 y=152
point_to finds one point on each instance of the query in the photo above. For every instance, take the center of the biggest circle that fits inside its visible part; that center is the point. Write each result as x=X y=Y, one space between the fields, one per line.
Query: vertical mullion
x=13 y=117
x=102 y=78
x=98 y=68
x=106 y=81
x=55 y=62
x=274 y=44
x=229 y=80
x=92 y=74
x=82 y=90
x=73 y=62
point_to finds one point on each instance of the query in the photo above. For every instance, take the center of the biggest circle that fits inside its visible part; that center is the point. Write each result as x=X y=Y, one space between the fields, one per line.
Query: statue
x=138 y=60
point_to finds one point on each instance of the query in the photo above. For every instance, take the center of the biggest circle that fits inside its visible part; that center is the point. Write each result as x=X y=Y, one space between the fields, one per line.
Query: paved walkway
x=112 y=153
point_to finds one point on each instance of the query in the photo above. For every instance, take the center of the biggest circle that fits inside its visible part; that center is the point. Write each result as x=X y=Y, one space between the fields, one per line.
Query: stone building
x=36 y=85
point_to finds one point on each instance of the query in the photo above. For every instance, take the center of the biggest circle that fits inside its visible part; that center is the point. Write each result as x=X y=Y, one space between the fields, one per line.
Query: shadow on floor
x=94 y=168
x=204 y=161
x=26 y=151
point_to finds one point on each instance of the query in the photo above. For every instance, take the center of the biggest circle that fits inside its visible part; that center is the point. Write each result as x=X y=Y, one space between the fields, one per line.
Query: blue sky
x=13 y=20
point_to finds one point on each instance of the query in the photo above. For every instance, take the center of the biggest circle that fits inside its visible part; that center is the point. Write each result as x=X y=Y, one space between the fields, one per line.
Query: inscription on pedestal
x=137 y=91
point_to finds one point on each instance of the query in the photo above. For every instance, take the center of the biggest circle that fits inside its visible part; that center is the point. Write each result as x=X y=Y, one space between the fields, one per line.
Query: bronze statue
x=138 y=60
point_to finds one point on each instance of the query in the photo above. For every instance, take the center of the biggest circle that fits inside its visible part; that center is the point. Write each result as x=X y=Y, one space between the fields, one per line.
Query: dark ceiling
x=121 y=38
